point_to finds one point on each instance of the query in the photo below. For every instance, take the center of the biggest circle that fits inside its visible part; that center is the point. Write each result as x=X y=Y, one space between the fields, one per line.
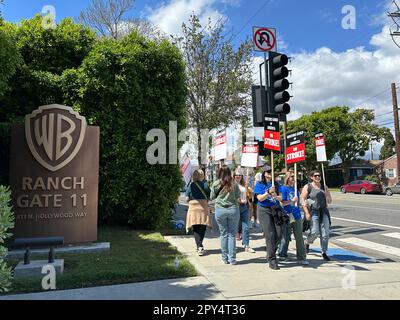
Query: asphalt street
x=367 y=223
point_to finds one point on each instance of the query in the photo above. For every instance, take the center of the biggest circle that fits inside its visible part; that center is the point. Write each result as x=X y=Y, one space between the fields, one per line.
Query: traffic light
x=278 y=97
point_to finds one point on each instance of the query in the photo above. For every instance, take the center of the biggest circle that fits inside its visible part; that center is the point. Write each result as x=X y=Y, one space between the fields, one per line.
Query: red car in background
x=362 y=186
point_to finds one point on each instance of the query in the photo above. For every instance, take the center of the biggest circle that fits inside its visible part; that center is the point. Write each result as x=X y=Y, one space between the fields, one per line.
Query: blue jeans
x=244 y=220
x=319 y=229
x=228 y=221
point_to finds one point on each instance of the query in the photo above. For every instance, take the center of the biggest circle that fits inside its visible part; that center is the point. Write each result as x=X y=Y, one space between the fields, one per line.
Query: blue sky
x=302 y=25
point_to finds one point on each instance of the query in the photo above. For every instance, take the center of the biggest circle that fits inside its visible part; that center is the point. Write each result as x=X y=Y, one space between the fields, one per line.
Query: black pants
x=272 y=232
x=199 y=231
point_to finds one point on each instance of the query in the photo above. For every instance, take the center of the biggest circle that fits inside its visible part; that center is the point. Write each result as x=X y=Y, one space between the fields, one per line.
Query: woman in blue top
x=268 y=206
x=291 y=206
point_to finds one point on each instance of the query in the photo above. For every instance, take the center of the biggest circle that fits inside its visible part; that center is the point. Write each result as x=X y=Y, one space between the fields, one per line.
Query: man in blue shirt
x=268 y=207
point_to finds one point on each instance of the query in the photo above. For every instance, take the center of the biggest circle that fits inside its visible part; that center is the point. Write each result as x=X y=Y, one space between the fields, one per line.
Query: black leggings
x=199 y=231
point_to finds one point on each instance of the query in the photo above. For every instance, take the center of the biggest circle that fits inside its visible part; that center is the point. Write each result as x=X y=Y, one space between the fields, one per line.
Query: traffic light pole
x=267 y=93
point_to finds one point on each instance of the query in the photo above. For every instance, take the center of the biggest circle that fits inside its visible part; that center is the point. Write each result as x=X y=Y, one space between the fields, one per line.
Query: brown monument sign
x=54 y=175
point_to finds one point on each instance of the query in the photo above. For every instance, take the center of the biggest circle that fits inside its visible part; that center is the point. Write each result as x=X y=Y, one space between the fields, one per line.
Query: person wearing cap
x=268 y=201
x=244 y=211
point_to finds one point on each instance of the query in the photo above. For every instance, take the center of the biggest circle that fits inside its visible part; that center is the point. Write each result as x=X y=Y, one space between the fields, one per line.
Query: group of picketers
x=278 y=207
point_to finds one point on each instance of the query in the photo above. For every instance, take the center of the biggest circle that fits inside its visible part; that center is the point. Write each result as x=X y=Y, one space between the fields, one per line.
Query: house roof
x=358 y=164
x=390 y=158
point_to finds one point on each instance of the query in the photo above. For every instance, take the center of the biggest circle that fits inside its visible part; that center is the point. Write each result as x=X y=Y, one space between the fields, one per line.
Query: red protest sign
x=272 y=140
x=295 y=148
x=272 y=136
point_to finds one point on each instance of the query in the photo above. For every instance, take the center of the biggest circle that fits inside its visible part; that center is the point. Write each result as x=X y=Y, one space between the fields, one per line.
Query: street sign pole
x=295 y=181
x=266 y=82
x=323 y=174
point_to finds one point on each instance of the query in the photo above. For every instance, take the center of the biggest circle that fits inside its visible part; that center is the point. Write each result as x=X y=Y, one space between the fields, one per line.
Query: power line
x=251 y=18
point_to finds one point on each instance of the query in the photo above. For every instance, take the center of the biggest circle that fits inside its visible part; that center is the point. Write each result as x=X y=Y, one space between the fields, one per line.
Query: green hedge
x=127 y=88
x=6 y=223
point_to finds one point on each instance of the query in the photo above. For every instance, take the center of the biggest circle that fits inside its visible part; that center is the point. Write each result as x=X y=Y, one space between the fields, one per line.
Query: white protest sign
x=221 y=146
x=320 y=147
x=249 y=156
x=186 y=169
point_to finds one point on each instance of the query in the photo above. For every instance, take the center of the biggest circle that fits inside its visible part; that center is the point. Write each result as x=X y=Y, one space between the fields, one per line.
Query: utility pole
x=396 y=128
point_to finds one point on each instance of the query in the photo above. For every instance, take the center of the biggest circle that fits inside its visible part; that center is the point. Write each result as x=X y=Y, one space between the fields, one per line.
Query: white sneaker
x=304 y=262
x=200 y=251
x=249 y=249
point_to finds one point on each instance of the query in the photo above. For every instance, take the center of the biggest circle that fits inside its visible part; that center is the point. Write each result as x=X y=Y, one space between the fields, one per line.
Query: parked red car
x=362 y=186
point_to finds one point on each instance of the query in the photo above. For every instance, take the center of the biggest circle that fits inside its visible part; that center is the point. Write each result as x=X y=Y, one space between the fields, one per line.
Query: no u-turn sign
x=264 y=39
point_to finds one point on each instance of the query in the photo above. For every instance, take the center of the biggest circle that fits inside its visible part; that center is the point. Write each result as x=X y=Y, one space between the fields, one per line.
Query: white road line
x=369 y=223
x=395 y=235
x=368 y=208
x=371 y=245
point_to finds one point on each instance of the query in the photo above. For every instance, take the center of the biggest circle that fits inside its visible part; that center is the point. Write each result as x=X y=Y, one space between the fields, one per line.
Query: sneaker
x=273 y=265
x=232 y=263
x=304 y=262
x=249 y=249
x=282 y=258
x=224 y=261
x=201 y=251
x=326 y=258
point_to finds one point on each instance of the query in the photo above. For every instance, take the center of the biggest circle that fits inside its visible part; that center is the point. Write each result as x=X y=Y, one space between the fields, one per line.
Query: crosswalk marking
x=395 y=235
x=371 y=245
x=369 y=223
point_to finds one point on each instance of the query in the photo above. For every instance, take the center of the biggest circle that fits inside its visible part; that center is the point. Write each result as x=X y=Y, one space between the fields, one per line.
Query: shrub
x=6 y=223
x=373 y=178
x=128 y=87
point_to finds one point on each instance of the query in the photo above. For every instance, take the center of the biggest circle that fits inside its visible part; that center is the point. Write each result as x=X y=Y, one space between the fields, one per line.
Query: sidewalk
x=251 y=278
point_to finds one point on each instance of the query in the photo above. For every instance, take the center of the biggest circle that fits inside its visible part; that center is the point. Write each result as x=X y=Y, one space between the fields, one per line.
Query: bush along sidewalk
x=6 y=223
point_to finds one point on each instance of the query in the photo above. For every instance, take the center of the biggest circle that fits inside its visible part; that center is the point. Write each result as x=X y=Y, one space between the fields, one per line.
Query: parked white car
x=390 y=190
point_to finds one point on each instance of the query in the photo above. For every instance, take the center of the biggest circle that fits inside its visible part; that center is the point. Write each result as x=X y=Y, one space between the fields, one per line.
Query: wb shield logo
x=55 y=135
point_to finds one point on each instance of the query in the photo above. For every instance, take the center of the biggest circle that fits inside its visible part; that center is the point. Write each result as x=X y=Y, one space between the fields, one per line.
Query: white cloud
x=170 y=16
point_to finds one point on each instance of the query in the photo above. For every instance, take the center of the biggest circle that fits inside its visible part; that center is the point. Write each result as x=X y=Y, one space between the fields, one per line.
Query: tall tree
x=388 y=148
x=106 y=16
x=218 y=75
x=347 y=134
x=110 y=19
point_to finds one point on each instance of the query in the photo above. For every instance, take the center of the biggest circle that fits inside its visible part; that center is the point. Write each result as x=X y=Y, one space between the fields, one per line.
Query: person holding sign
x=227 y=194
x=290 y=201
x=244 y=210
x=198 y=215
x=270 y=214
x=315 y=198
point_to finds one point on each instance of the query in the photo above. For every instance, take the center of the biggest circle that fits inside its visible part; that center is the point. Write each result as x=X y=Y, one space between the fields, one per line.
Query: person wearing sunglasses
x=315 y=199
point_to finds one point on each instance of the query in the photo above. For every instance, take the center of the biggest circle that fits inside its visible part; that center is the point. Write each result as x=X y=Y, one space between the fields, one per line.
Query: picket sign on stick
x=272 y=169
x=323 y=175
x=295 y=182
